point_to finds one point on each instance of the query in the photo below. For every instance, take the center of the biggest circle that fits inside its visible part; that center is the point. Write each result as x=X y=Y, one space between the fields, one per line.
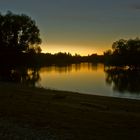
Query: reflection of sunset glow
x=73 y=68
x=86 y=78
x=95 y=79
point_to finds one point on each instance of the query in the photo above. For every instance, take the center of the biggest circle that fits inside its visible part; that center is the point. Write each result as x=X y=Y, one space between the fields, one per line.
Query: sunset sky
x=80 y=26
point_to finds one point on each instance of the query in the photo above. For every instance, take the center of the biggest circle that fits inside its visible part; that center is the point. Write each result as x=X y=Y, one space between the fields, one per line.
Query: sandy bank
x=33 y=113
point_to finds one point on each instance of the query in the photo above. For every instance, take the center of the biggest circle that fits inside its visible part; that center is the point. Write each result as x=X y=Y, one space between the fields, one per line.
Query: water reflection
x=123 y=79
x=23 y=75
x=71 y=67
x=84 y=78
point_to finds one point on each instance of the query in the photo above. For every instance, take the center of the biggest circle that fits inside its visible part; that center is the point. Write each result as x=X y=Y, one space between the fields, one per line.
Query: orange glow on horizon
x=81 y=50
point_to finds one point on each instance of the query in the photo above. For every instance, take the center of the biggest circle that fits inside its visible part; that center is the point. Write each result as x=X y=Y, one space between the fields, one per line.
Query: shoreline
x=33 y=113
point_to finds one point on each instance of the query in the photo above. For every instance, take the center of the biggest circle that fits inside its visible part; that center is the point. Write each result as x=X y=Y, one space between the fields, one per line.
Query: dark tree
x=18 y=34
x=119 y=47
x=122 y=47
x=124 y=52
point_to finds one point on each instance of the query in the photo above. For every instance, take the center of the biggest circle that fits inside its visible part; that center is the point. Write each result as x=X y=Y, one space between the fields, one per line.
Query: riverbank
x=35 y=113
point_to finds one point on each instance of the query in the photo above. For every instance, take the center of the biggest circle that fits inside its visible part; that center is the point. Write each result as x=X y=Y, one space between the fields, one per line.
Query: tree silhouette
x=119 y=47
x=124 y=52
x=18 y=34
x=126 y=47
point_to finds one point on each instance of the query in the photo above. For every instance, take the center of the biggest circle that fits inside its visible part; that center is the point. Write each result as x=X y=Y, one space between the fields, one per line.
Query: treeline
x=124 y=52
x=20 y=40
x=62 y=58
x=44 y=59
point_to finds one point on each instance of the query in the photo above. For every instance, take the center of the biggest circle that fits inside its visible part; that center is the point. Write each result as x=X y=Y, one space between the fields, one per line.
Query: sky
x=80 y=26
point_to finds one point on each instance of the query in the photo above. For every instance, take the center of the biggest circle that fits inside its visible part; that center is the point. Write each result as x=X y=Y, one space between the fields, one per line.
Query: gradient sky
x=80 y=26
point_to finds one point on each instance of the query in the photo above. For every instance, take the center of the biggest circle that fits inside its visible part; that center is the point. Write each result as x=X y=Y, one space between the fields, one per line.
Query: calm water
x=85 y=78
x=92 y=79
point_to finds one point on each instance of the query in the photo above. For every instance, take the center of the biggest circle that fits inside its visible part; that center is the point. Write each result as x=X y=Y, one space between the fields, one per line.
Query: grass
x=65 y=115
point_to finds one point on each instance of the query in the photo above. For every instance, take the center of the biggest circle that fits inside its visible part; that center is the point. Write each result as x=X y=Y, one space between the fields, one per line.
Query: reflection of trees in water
x=67 y=68
x=124 y=79
x=21 y=75
x=57 y=68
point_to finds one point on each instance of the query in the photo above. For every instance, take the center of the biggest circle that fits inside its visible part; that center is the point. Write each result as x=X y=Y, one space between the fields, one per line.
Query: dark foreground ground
x=38 y=114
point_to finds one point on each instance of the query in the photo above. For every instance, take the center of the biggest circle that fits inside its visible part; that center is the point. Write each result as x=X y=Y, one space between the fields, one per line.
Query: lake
x=87 y=78
x=95 y=79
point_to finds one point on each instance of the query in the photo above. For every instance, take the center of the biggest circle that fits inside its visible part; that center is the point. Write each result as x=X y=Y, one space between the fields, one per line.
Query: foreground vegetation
x=33 y=113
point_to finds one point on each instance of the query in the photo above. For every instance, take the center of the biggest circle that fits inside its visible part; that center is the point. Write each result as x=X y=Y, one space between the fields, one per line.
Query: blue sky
x=80 y=26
